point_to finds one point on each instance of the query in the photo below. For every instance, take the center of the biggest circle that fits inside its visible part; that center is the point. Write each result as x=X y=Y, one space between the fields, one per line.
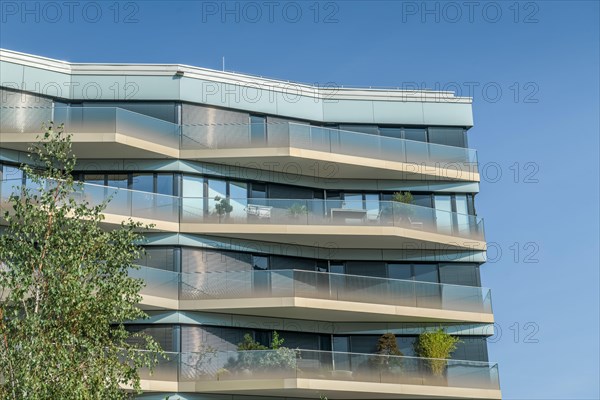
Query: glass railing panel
x=310 y=364
x=147 y=128
x=87 y=119
x=24 y=119
x=151 y=206
x=339 y=287
x=216 y=136
x=331 y=212
x=235 y=135
x=82 y=120
x=167 y=368
x=158 y=283
x=154 y=206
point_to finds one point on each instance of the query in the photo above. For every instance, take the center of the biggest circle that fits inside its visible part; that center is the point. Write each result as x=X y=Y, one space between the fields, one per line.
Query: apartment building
x=323 y=216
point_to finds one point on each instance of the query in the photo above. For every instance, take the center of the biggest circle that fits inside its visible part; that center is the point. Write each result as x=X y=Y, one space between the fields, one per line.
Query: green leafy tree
x=64 y=288
x=437 y=346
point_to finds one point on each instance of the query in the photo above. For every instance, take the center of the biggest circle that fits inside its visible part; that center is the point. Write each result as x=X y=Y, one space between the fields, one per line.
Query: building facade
x=323 y=216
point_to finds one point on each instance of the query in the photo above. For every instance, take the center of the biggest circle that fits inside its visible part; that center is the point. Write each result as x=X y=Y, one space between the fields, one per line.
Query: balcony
x=97 y=131
x=284 y=147
x=373 y=224
x=354 y=154
x=320 y=295
x=310 y=373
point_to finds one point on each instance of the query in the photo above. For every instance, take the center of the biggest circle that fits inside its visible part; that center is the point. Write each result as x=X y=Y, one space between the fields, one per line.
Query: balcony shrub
x=437 y=346
x=222 y=206
x=389 y=354
x=254 y=357
x=401 y=204
x=297 y=209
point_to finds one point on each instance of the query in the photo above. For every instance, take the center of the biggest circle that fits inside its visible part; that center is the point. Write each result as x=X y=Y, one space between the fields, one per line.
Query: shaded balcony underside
x=292 y=160
x=313 y=388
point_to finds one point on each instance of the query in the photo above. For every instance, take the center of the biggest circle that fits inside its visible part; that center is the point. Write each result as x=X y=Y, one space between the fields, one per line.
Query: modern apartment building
x=279 y=210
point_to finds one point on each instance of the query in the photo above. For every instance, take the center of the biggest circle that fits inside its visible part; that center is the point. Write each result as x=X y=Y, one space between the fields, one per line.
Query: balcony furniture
x=373 y=215
x=341 y=374
x=415 y=224
x=348 y=213
x=258 y=211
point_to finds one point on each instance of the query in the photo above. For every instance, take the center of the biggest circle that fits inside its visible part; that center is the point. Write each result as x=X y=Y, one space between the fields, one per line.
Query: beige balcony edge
x=313 y=387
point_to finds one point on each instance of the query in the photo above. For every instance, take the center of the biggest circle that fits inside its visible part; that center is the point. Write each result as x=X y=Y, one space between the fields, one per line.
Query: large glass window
x=443 y=212
x=143 y=182
x=391 y=132
x=400 y=271
x=10 y=173
x=417 y=134
x=366 y=268
x=426 y=273
x=160 y=258
x=353 y=201
x=238 y=192
x=460 y=274
x=96 y=179
x=448 y=136
x=165 y=184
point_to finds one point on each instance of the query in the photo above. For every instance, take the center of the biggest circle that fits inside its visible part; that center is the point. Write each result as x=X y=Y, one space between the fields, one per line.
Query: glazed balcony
x=354 y=154
x=98 y=132
x=311 y=150
x=320 y=295
x=372 y=224
x=310 y=373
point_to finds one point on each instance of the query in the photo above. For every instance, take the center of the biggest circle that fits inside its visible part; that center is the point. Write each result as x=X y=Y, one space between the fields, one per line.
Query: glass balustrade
x=91 y=120
x=82 y=120
x=285 y=363
x=157 y=207
x=330 y=212
x=313 y=285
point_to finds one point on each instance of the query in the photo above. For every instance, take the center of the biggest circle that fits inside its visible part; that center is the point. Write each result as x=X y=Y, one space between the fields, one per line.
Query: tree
x=64 y=288
x=437 y=346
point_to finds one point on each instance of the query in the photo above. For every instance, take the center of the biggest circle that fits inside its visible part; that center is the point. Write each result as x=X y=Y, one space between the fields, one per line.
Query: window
x=391 y=132
x=258 y=190
x=417 y=134
x=160 y=258
x=426 y=273
x=400 y=271
x=353 y=201
x=143 y=182
x=165 y=184
x=460 y=274
x=260 y=262
x=11 y=173
x=366 y=268
x=448 y=136
x=96 y=179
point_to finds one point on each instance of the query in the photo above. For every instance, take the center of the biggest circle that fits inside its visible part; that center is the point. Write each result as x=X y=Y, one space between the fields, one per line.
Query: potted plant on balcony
x=254 y=358
x=436 y=346
x=388 y=360
x=297 y=209
x=222 y=207
x=401 y=206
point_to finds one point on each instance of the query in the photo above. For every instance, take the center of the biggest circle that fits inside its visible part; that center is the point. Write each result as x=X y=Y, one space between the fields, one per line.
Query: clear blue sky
x=543 y=56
